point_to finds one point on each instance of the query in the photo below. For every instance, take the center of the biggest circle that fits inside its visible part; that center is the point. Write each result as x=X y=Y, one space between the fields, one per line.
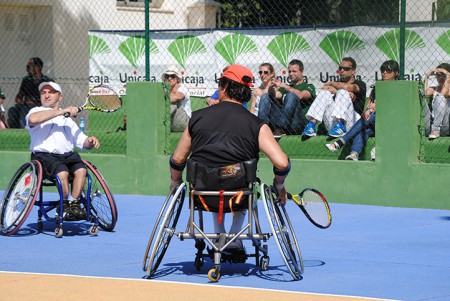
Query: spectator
x=233 y=135
x=2 y=110
x=338 y=104
x=53 y=138
x=266 y=74
x=438 y=119
x=180 y=104
x=28 y=96
x=214 y=99
x=365 y=126
x=282 y=106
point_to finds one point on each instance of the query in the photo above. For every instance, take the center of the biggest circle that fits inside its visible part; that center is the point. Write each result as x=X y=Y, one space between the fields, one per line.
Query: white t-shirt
x=58 y=135
x=186 y=102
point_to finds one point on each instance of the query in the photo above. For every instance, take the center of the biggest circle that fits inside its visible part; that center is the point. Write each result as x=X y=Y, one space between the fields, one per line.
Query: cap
x=54 y=85
x=239 y=74
x=172 y=70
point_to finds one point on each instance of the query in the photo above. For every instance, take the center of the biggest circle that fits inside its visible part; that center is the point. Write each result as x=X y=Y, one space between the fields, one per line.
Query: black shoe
x=78 y=211
x=68 y=214
x=235 y=248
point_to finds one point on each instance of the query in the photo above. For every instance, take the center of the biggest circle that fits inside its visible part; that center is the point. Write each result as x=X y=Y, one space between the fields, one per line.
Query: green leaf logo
x=231 y=46
x=182 y=47
x=283 y=45
x=444 y=41
x=338 y=43
x=97 y=46
x=133 y=48
x=389 y=43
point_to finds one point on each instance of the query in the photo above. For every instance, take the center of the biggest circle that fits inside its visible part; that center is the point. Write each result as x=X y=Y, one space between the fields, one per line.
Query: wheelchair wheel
x=103 y=205
x=163 y=229
x=19 y=197
x=283 y=232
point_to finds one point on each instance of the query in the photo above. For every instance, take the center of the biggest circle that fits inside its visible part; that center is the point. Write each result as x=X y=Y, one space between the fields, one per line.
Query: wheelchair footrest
x=239 y=256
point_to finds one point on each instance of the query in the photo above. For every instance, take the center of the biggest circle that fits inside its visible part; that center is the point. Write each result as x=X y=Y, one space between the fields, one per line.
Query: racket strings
x=315 y=206
x=105 y=102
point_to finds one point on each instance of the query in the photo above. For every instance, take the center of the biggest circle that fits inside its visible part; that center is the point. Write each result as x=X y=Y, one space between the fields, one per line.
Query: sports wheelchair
x=28 y=182
x=246 y=196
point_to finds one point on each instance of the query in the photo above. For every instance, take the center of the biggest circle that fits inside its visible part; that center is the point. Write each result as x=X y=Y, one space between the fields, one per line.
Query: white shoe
x=353 y=156
x=372 y=154
x=333 y=147
x=434 y=135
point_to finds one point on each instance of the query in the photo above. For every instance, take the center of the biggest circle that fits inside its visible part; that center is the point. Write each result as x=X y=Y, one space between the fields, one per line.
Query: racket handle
x=67 y=114
x=289 y=196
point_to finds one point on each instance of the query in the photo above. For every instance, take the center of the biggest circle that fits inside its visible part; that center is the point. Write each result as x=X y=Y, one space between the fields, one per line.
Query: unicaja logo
x=389 y=43
x=338 y=43
x=133 y=48
x=283 y=46
x=183 y=47
x=444 y=41
x=231 y=46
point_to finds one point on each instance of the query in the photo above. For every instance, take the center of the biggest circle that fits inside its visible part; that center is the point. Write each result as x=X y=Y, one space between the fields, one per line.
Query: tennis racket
x=102 y=99
x=314 y=206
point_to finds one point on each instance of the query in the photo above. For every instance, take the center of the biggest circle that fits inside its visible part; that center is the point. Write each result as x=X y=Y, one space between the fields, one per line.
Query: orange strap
x=219 y=219
x=238 y=196
x=201 y=200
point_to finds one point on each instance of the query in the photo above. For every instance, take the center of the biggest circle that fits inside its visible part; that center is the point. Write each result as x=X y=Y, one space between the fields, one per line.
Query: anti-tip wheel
x=59 y=232
x=213 y=275
x=93 y=230
x=264 y=263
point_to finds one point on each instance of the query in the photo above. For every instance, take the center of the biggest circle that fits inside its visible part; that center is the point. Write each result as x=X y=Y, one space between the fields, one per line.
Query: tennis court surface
x=369 y=252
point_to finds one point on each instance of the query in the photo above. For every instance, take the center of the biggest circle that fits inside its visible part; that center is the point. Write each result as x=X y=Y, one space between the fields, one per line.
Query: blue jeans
x=286 y=115
x=360 y=133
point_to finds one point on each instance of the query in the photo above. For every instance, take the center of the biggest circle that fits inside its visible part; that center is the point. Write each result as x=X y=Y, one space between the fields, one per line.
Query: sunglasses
x=246 y=79
x=166 y=77
x=386 y=69
x=265 y=72
x=345 y=68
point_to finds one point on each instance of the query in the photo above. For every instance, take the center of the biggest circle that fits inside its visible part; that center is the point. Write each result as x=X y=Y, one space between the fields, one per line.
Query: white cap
x=54 y=85
x=172 y=70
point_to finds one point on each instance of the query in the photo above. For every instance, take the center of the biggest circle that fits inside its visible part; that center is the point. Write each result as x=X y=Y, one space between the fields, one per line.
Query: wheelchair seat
x=26 y=189
x=223 y=189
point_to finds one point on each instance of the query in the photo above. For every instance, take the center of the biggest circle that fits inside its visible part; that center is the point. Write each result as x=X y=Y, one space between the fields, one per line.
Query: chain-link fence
x=86 y=43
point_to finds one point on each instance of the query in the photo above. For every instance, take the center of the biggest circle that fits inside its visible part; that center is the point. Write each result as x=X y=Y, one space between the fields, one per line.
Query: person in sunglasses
x=437 y=121
x=282 y=106
x=222 y=135
x=338 y=104
x=266 y=74
x=180 y=103
x=365 y=126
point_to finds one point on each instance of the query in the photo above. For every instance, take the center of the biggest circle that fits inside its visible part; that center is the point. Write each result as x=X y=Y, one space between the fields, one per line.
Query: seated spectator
x=365 y=126
x=2 y=111
x=437 y=121
x=214 y=99
x=266 y=74
x=338 y=104
x=282 y=106
x=180 y=104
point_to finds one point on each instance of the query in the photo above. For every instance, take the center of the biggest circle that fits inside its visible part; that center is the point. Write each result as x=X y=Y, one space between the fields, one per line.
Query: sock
x=238 y=221
x=218 y=228
x=340 y=142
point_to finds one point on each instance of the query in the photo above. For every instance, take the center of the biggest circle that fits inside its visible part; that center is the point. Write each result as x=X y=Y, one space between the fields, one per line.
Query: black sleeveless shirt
x=224 y=134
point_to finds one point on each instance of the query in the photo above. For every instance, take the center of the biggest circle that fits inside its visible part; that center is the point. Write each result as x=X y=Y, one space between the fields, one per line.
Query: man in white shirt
x=53 y=138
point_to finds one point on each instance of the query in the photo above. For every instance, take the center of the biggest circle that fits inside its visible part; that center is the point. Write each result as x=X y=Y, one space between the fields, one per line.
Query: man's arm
x=178 y=159
x=91 y=142
x=45 y=115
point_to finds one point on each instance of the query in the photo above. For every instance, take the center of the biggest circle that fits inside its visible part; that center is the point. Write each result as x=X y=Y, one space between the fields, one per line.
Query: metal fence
x=85 y=43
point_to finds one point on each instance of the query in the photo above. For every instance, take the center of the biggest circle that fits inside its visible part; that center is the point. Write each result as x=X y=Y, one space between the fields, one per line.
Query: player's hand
x=93 y=141
x=72 y=111
x=174 y=184
x=282 y=194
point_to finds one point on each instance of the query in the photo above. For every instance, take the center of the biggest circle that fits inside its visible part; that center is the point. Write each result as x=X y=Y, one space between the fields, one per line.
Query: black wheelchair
x=27 y=184
x=200 y=200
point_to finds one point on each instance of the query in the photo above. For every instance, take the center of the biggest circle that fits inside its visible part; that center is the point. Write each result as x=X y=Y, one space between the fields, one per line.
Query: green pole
x=402 y=38
x=147 y=40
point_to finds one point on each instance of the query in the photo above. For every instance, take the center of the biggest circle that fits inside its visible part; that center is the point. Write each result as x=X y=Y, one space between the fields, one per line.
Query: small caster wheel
x=264 y=263
x=40 y=225
x=59 y=232
x=198 y=263
x=93 y=230
x=213 y=275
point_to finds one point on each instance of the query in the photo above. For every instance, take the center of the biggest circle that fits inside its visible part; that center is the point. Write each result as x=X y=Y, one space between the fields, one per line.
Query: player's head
x=51 y=94
x=235 y=83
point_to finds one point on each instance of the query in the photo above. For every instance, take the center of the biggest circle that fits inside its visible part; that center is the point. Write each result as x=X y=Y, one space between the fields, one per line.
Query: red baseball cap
x=239 y=74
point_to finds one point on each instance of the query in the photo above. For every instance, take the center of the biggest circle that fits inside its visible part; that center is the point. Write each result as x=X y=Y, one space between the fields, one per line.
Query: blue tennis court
x=369 y=251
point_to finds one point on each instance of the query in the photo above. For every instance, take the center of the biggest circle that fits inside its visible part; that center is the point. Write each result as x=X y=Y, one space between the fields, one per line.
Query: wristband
x=179 y=167
x=282 y=172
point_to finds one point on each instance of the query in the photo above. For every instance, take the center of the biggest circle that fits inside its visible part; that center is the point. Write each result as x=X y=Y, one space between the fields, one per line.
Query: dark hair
x=298 y=63
x=392 y=65
x=37 y=62
x=444 y=66
x=351 y=60
x=235 y=90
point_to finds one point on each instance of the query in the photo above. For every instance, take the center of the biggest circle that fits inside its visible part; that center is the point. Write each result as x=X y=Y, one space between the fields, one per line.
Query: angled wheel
x=103 y=205
x=283 y=232
x=19 y=197
x=163 y=229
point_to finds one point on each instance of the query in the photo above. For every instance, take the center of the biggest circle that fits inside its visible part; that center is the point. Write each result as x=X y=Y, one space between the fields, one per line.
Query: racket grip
x=289 y=196
x=67 y=114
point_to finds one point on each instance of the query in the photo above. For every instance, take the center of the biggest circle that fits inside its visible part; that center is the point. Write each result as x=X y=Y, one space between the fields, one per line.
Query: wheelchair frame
x=280 y=225
x=28 y=182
